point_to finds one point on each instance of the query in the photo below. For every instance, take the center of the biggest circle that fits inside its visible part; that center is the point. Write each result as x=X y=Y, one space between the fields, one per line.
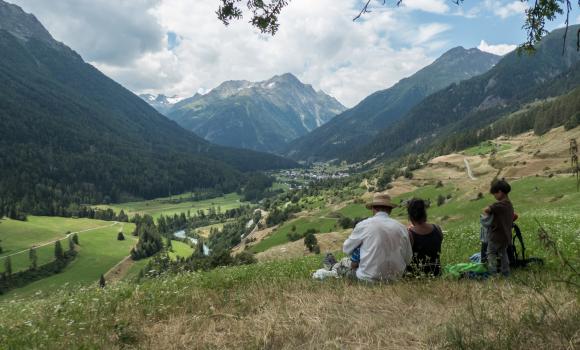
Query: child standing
x=500 y=235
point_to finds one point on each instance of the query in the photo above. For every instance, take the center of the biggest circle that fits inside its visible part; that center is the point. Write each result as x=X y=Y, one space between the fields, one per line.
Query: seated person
x=425 y=239
x=384 y=244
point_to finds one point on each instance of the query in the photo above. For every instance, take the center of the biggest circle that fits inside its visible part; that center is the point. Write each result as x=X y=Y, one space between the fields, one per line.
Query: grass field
x=180 y=249
x=302 y=224
x=19 y=236
x=172 y=205
x=99 y=251
x=276 y=305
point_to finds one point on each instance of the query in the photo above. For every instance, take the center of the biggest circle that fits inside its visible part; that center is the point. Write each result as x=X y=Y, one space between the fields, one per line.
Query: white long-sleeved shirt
x=385 y=248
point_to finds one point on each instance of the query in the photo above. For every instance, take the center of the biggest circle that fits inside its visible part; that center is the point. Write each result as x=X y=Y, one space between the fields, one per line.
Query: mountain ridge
x=263 y=115
x=516 y=79
x=359 y=124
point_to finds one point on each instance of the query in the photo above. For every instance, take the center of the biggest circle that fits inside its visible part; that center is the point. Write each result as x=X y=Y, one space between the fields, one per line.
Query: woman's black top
x=426 y=252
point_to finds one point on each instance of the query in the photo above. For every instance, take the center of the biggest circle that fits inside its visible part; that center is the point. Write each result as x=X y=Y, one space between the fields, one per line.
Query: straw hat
x=381 y=200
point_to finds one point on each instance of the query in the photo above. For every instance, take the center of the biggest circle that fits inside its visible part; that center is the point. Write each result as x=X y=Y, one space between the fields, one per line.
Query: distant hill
x=263 y=116
x=71 y=135
x=475 y=103
x=357 y=126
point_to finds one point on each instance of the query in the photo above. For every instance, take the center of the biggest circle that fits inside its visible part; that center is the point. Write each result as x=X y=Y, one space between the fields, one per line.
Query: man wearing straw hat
x=385 y=249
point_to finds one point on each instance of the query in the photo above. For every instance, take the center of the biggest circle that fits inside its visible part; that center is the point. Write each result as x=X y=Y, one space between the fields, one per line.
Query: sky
x=179 y=47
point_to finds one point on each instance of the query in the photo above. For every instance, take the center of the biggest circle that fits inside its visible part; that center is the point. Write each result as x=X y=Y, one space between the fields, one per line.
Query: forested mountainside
x=357 y=126
x=473 y=104
x=71 y=135
x=263 y=116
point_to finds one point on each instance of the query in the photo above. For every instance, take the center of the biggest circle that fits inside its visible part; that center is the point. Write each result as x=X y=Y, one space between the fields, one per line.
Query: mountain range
x=517 y=79
x=262 y=116
x=71 y=135
x=357 y=126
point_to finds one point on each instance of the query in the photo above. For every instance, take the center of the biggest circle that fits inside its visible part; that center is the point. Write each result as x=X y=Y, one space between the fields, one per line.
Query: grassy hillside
x=277 y=306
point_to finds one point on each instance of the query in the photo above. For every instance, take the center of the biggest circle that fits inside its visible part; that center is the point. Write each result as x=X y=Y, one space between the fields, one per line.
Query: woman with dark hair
x=425 y=239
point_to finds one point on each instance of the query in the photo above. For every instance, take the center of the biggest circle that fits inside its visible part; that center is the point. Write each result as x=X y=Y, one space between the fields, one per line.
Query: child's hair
x=417 y=210
x=500 y=186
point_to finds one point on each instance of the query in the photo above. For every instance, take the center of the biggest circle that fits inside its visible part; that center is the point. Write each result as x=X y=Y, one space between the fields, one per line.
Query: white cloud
x=503 y=10
x=499 y=49
x=434 y=6
x=317 y=41
x=106 y=31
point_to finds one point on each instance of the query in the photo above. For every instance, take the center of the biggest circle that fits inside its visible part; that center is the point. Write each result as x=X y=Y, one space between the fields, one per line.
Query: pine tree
x=102 y=282
x=33 y=258
x=75 y=239
x=71 y=245
x=58 y=252
x=169 y=245
x=120 y=236
x=8 y=266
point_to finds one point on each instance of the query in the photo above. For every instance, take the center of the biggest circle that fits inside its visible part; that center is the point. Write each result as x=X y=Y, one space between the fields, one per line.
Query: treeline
x=10 y=280
x=231 y=234
x=150 y=241
x=168 y=224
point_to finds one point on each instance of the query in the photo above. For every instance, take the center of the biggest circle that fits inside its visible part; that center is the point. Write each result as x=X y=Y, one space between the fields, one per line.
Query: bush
x=346 y=222
x=440 y=200
x=310 y=241
x=120 y=236
x=293 y=236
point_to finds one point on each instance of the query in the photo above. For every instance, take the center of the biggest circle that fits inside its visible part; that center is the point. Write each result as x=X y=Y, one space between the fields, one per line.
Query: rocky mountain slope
x=262 y=116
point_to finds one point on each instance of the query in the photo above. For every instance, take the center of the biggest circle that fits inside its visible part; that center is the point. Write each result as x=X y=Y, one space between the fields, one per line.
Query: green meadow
x=19 y=236
x=98 y=251
x=180 y=249
x=175 y=205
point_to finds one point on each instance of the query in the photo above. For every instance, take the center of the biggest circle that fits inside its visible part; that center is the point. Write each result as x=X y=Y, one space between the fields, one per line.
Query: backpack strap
x=520 y=238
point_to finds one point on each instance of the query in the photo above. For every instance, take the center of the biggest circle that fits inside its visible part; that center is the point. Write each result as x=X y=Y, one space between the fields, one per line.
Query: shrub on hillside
x=440 y=200
x=346 y=222
x=120 y=236
x=293 y=236
x=310 y=241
